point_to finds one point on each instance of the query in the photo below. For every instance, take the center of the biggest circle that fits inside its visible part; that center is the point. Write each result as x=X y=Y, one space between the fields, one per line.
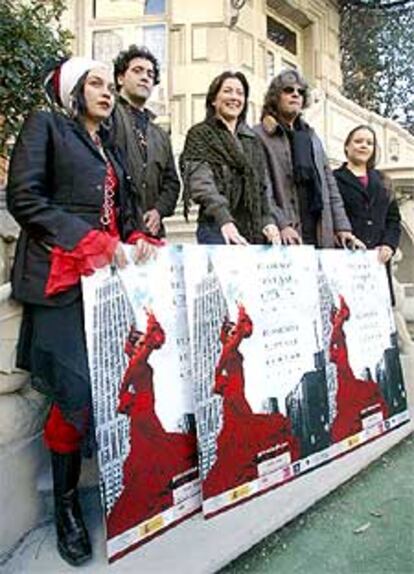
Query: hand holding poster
x=150 y=478
x=255 y=329
x=366 y=384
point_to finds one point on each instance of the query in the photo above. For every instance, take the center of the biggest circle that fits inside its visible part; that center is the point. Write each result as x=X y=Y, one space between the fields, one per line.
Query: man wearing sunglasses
x=302 y=182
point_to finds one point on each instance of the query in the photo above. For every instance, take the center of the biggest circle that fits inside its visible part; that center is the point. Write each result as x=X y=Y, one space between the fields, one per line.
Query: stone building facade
x=195 y=41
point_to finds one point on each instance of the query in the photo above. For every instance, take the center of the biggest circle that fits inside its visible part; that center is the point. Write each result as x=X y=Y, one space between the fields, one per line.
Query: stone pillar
x=22 y=411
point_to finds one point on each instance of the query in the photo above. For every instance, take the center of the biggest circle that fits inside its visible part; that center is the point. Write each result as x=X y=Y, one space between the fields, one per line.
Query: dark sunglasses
x=293 y=90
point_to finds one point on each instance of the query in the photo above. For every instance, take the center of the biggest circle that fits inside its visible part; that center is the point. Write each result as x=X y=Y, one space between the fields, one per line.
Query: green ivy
x=31 y=38
x=377 y=46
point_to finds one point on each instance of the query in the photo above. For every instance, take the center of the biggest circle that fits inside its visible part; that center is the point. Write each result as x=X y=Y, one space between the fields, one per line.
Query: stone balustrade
x=334 y=116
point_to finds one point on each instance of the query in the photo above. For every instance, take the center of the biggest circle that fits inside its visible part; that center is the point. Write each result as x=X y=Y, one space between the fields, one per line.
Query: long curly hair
x=121 y=62
x=279 y=82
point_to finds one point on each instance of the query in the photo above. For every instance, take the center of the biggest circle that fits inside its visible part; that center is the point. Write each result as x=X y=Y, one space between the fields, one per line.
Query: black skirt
x=52 y=347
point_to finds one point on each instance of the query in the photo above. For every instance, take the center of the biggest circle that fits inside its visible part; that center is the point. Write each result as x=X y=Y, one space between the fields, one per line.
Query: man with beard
x=146 y=147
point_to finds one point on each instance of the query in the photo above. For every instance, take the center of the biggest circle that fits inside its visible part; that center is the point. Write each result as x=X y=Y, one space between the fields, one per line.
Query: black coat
x=55 y=192
x=154 y=177
x=372 y=211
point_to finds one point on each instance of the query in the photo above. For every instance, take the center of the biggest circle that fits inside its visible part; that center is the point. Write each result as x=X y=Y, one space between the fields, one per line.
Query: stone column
x=22 y=410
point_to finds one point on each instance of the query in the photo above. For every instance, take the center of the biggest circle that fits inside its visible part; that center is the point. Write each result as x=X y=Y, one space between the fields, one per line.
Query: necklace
x=108 y=206
x=139 y=124
x=107 y=214
x=141 y=137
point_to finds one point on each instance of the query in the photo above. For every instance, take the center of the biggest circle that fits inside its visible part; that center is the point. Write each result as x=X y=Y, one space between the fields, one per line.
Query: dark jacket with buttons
x=372 y=211
x=55 y=192
x=154 y=177
x=280 y=167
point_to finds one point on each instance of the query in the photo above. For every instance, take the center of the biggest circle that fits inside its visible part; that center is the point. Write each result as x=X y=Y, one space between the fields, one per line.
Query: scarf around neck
x=211 y=142
x=304 y=169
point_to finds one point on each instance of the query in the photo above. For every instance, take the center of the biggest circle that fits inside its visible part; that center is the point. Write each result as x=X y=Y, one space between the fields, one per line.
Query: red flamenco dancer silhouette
x=244 y=434
x=155 y=456
x=355 y=397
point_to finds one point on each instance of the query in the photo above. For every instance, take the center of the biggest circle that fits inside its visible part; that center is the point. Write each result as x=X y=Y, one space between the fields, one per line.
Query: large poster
x=365 y=383
x=257 y=351
x=277 y=358
x=138 y=344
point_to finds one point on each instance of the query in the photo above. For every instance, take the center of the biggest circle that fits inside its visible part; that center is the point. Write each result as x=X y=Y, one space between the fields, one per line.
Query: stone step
x=178 y=229
x=181 y=233
x=179 y=224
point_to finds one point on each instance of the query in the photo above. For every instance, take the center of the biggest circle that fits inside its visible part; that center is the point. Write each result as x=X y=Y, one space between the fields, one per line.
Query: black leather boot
x=72 y=537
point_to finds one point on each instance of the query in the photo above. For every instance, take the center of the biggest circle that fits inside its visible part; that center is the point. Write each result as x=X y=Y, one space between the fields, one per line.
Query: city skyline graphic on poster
x=149 y=418
x=366 y=390
x=254 y=320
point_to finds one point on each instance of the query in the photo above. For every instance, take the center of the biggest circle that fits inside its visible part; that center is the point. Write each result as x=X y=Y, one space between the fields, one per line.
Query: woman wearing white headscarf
x=70 y=195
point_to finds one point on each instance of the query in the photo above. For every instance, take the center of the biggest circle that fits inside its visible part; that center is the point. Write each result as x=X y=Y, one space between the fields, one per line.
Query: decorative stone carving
x=9 y=230
x=10 y=317
x=235 y=7
x=394 y=149
x=12 y=382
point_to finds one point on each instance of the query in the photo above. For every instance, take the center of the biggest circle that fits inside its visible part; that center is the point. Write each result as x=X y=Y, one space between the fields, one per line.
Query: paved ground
x=364 y=527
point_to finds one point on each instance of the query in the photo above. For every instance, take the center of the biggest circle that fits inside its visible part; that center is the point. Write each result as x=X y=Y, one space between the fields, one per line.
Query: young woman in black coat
x=369 y=202
x=70 y=195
